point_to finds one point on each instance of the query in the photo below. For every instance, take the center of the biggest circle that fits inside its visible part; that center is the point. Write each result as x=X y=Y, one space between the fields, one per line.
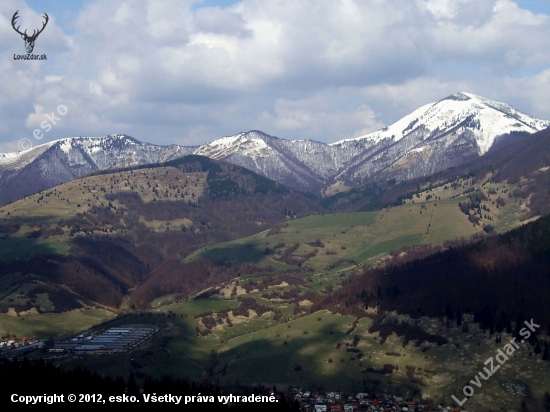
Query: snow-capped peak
x=436 y=136
x=456 y=113
x=250 y=144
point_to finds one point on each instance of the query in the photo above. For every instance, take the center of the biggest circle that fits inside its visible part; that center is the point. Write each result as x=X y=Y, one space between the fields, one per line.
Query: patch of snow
x=66 y=146
x=487 y=119
x=248 y=144
x=16 y=160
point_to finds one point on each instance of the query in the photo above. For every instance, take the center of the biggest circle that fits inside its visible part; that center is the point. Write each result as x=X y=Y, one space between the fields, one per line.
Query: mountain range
x=434 y=137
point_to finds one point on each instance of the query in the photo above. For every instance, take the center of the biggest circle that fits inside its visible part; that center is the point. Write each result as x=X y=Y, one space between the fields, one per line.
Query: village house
x=331 y=401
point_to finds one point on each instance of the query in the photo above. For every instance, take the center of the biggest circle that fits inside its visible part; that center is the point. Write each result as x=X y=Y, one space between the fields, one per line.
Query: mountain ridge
x=436 y=136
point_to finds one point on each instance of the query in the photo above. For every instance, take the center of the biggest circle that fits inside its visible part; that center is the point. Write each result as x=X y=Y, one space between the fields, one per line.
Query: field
x=43 y=211
x=258 y=328
x=52 y=325
x=318 y=351
x=431 y=217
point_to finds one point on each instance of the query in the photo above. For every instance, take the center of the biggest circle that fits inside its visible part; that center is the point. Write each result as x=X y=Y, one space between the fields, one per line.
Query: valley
x=306 y=206
x=384 y=287
x=258 y=317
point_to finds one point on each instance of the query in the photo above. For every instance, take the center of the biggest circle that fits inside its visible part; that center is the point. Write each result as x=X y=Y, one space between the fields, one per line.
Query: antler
x=34 y=33
x=15 y=16
x=43 y=26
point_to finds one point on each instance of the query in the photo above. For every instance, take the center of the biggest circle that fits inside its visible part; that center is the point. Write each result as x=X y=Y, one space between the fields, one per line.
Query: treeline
x=96 y=272
x=61 y=299
x=224 y=179
x=497 y=278
x=186 y=278
x=366 y=195
x=231 y=180
x=408 y=331
x=528 y=167
x=293 y=277
x=175 y=276
x=213 y=221
x=514 y=158
x=10 y=227
x=114 y=251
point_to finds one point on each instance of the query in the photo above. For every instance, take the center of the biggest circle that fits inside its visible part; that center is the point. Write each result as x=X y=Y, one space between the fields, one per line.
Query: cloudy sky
x=190 y=71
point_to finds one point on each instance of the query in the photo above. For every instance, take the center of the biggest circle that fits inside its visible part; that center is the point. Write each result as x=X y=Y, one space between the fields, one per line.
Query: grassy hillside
x=94 y=240
x=233 y=267
x=427 y=217
x=517 y=159
x=161 y=239
x=211 y=338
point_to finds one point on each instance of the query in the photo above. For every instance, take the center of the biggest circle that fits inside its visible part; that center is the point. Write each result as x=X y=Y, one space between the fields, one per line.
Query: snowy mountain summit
x=455 y=114
x=434 y=137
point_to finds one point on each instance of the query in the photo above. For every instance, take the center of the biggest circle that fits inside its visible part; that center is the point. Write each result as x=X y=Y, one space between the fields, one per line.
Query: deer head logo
x=29 y=40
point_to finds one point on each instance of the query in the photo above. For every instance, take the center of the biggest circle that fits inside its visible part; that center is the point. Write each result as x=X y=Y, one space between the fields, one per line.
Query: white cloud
x=220 y=21
x=174 y=71
x=319 y=118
